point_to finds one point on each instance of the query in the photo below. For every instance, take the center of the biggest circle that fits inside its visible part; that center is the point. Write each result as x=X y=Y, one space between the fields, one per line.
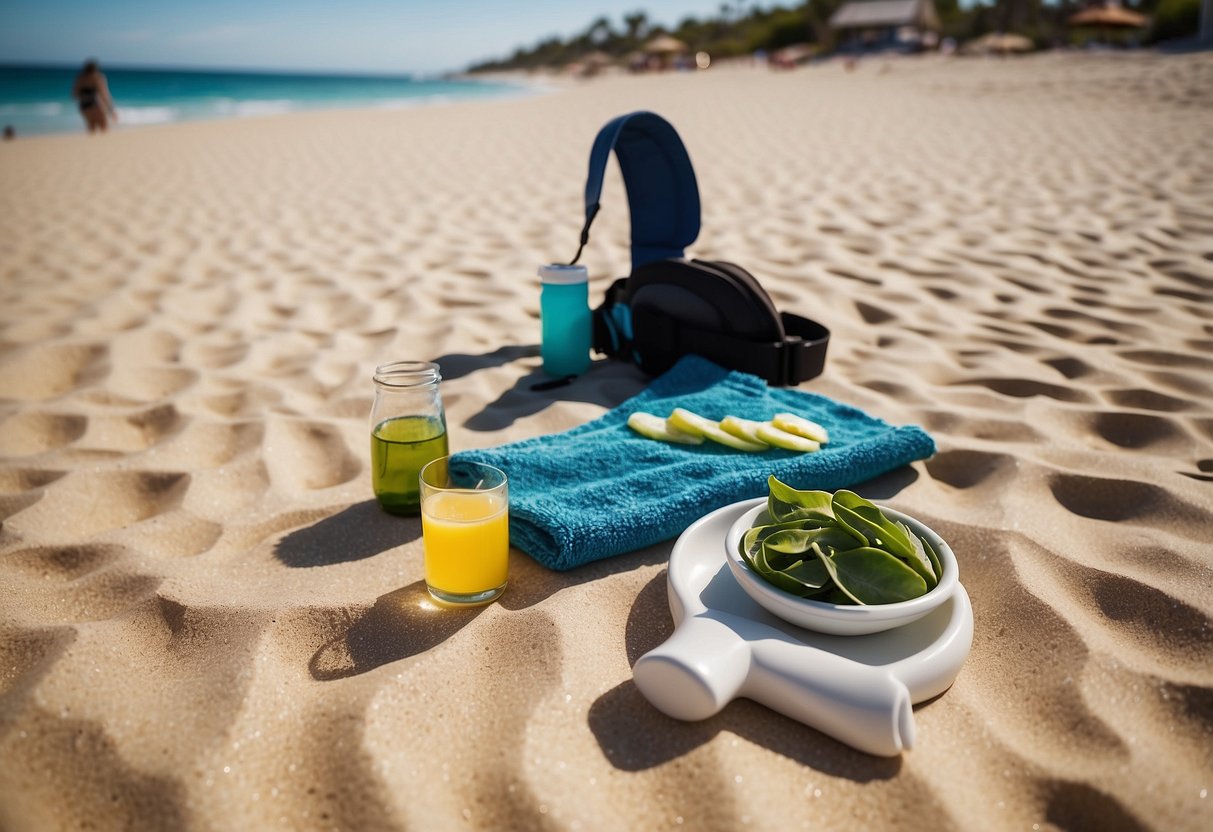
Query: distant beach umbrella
x=665 y=45
x=1000 y=43
x=591 y=64
x=1108 y=17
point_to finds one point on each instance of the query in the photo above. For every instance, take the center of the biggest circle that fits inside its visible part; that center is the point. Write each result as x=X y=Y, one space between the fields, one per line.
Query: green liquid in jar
x=400 y=448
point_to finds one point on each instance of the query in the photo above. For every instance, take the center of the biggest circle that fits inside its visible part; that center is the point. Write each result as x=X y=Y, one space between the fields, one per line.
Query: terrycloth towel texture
x=601 y=489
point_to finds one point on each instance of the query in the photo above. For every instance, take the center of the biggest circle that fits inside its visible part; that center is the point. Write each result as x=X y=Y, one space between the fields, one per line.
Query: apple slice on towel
x=688 y=422
x=654 y=427
x=801 y=426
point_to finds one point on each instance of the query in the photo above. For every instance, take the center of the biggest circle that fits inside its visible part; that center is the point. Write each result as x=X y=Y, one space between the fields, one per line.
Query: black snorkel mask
x=671 y=306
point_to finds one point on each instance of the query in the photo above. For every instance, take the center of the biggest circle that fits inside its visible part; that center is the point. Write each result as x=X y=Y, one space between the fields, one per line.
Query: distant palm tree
x=1015 y=15
x=637 y=23
x=600 y=30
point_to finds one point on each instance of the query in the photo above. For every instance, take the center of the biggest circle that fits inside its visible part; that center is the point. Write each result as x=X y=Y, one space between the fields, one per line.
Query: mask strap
x=591 y=211
x=663 y=196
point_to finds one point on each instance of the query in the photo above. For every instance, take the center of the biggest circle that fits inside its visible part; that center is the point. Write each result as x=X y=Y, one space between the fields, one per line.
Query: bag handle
x=663 y=196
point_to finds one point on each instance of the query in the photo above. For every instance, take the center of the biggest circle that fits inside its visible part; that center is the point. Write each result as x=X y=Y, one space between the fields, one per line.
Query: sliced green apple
x=688 y=422
x=783 y=439
x=801 y=426
x=746 y=429
x=654 y=427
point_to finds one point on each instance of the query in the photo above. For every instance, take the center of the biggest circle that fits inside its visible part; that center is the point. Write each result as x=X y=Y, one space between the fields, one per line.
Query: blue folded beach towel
x=601 y=489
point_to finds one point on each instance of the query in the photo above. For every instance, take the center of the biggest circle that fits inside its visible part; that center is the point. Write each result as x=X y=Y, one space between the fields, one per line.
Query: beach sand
x=206 y=622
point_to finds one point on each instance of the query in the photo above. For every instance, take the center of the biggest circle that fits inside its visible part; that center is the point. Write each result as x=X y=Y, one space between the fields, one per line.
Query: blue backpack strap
x=663 y=196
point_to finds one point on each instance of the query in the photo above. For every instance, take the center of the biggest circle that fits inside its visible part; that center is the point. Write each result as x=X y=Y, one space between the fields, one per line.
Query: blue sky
x=367 y=35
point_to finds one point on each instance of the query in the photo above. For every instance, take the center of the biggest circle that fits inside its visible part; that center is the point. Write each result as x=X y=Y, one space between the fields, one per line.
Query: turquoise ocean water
x=38 y=99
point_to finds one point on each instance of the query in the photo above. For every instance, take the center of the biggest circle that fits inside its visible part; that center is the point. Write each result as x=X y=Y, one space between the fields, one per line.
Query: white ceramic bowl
x=840 y=619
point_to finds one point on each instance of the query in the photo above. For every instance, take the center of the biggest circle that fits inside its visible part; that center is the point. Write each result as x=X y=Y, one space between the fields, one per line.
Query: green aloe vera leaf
x=786 y=503
x=787 y=546
x=932 y=556
x=867 y=520
x=837 y=539
x=836 y=596
x=920 y=563
x=756 y=534
x=745 y=547
x=779 y=559
x=797 y=540
x=772 y=575
x=866 y=533
x=832 y=570
x=810 y=573
x=873 y=576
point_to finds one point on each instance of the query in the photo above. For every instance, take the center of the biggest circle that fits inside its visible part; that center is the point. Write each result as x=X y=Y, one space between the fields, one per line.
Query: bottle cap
x=561 y=274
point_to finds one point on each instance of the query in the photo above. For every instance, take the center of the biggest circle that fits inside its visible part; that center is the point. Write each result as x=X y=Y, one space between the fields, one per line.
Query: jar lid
x=562 y=274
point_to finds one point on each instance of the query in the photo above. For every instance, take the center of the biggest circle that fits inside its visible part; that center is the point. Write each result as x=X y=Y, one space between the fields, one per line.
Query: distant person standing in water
x=93 y=95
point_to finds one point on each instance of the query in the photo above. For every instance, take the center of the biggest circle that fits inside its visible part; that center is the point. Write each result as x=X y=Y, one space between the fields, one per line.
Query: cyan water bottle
x=564 y=310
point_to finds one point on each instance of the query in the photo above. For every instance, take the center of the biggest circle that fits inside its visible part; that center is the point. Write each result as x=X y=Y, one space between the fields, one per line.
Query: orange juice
x=467 y=541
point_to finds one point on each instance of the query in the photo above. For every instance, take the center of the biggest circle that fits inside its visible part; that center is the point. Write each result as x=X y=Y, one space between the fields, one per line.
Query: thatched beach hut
x=883 y=24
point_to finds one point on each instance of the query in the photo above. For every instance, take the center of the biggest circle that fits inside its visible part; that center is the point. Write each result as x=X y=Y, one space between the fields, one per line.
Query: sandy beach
x=207 y=623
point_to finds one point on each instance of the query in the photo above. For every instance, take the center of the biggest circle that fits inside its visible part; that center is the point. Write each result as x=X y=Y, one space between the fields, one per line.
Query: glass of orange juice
x=465 y=526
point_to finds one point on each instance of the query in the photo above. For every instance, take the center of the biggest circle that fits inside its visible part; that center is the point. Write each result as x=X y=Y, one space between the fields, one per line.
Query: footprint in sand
x=85 y=503
x=216 y=356
x=146 y=346
x=242 y=399
x=505 y=694
x=873 y=314
x=302 y=455
x=1070 y=805
x=173 y=534
x=75 y=787
x=149 y=384
x=1131 y=607
x=63 y=563
x=204 y=444
x=999 y=430
x=1172 y=360
x=1022 y=388
x=44 y=371
x=131 y=432
x=1069 y=367
x=1136 y=430
x=20 y=488
x=28 y=433
x=963 y=468
x=27 y=655
x=221 y=491
x=1144 y=399
x=1022 y=630
x=1117 y=500
x=97 y=596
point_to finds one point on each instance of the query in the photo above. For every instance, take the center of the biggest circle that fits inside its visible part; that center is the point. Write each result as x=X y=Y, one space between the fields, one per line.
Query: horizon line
x=252 y=70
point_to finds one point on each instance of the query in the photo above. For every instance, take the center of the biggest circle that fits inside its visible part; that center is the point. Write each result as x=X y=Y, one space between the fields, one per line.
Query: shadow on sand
x=606 y=383
x=407 y=621
x=361 y=531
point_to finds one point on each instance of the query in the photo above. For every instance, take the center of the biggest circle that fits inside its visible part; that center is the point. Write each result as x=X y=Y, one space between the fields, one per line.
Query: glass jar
x=408 y=429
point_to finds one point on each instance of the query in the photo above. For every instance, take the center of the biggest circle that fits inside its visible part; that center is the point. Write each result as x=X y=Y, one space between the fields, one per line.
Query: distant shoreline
x=35 y=99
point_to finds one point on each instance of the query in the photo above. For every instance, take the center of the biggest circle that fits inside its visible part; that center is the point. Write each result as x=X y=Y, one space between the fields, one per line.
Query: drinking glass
x=465 y=525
